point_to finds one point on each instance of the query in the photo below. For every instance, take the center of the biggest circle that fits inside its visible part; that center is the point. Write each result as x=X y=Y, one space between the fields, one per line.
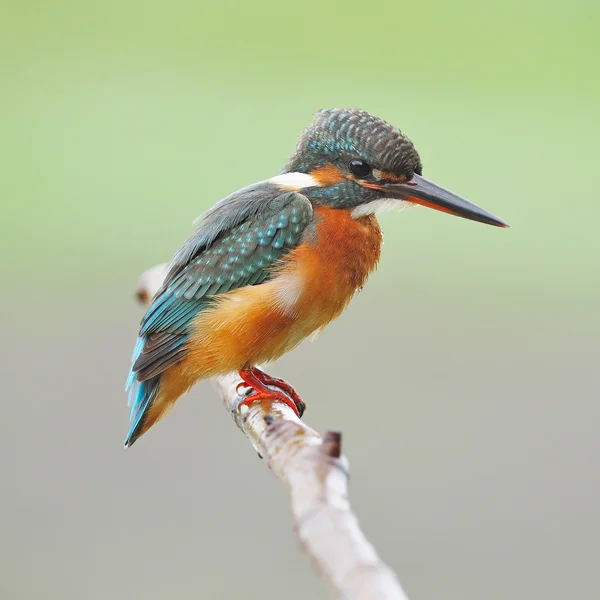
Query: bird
x=277 y=261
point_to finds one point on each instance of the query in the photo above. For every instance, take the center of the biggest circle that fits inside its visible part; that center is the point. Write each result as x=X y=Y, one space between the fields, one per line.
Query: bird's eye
x=360 y=168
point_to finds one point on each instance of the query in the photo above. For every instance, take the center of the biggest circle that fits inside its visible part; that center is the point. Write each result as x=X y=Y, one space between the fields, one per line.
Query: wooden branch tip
x=332 y=444
x=316 y=475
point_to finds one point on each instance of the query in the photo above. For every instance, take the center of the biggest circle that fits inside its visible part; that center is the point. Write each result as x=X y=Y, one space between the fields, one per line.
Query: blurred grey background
x=464 y=377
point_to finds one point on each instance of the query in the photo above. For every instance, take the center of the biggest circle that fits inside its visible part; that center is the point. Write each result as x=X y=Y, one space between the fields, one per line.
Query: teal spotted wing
x=232 y=258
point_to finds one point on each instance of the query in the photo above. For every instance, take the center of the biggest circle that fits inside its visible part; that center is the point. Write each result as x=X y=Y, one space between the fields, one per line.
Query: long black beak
x=422 y=191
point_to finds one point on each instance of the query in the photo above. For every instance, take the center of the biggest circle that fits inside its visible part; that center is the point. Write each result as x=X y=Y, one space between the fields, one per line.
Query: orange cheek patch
x=371 y=186
x=327 y=175
x=392 y=177
x=382 y=177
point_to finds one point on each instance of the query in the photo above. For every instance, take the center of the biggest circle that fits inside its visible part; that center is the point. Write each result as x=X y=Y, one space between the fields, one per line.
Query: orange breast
x=334 y=265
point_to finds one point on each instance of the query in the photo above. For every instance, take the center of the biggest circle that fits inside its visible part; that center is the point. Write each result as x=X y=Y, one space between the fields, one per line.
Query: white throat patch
x=294 y=182
x=379 y=206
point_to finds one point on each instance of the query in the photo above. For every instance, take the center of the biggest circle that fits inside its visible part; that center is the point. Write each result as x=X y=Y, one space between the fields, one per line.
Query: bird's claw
x=262 y=385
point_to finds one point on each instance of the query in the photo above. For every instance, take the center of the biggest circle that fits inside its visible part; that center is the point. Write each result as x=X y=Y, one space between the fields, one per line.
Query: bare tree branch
x=316 y=475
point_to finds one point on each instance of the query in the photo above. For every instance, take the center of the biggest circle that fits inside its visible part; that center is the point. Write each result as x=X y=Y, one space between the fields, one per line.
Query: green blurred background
x=464 y=377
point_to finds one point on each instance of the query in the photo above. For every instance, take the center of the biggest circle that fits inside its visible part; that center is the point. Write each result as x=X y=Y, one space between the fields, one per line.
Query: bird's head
x=351 y=159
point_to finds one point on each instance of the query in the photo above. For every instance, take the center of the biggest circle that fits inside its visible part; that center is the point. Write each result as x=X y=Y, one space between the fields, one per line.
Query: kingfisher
x=278 y=260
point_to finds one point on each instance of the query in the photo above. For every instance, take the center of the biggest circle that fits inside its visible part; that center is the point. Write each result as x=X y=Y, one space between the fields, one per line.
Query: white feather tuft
x=378 y=206
x=288 y=288
x=294 y=182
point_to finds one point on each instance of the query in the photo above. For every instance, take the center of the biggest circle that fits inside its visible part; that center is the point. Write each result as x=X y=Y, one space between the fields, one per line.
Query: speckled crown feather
x=336 y=133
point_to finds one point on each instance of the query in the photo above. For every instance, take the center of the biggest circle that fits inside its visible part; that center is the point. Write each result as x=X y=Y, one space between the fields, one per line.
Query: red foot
x=259 y=382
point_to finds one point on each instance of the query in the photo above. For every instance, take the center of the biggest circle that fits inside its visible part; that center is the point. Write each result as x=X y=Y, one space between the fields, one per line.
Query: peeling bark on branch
x=316 y=475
